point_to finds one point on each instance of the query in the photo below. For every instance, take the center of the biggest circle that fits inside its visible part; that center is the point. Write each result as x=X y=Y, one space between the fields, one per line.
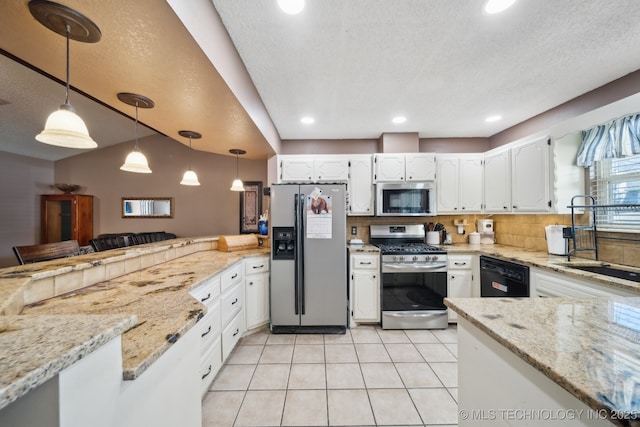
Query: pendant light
x=64 y=128
x=136 y=161
x=190 y=177
x=237 y=183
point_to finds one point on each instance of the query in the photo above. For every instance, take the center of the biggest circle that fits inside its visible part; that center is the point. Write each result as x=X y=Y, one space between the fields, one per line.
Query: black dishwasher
x=500 y=278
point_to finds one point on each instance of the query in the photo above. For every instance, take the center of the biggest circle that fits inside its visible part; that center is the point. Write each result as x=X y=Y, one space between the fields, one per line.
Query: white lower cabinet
x=459 y=279
x=256 y=279
x=365 y=287
x=208 y=329
x=231 y=334
x=548 y=284
x=210 y=364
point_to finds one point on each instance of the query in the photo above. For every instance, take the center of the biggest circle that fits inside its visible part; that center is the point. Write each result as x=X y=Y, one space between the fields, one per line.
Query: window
x=617 y=182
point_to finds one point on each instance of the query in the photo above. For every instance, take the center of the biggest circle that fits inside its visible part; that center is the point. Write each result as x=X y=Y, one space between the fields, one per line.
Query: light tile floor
x=367 y=377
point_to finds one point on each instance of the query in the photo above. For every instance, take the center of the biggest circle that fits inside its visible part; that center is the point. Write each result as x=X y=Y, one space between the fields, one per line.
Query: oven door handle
x=413 y=267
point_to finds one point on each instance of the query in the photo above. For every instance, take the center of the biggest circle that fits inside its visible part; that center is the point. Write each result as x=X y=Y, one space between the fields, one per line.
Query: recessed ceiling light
x=307 y=120
x=492 y=119
x=292 y=7
x=399 y=119
x=497 y=6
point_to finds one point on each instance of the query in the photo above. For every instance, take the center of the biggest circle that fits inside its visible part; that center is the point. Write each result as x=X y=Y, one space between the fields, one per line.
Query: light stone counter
x=33 y=349
x=589 y=347
x=557 y=263
x=141 y=292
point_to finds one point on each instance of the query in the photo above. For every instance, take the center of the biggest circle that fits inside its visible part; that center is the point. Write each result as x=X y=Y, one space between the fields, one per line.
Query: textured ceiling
x=443 y=64
x=144 y=49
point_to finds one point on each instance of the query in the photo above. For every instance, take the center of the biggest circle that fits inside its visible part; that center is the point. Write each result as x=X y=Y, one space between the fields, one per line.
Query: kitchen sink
x=608 y=271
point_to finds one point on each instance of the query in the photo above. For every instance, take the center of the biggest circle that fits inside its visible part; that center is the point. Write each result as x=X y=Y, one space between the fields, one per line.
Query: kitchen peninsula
x=64 y=318
x=548 y=361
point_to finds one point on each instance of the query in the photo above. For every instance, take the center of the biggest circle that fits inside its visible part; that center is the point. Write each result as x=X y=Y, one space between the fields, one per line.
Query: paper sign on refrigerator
x=319 y=217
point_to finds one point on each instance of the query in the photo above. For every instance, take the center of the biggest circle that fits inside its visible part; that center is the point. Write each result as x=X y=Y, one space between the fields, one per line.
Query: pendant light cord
x=137 y=148
x=68 y=28
x=190 y=149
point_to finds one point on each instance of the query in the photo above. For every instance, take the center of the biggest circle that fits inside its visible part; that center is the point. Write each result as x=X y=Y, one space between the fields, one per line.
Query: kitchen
x=88 y=169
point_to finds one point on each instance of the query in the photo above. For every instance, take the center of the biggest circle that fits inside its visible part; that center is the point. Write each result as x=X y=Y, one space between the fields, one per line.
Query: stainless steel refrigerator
x=308 y=292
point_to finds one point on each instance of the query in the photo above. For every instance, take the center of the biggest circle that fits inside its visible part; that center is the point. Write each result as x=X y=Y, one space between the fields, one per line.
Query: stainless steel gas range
x=414 y=278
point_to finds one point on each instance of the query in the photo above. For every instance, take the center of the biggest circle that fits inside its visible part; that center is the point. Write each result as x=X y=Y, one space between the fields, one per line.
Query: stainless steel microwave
x=406 y=199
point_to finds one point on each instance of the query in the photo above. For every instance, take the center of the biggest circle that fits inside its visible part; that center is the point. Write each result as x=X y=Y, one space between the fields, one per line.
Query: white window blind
x=617 y=182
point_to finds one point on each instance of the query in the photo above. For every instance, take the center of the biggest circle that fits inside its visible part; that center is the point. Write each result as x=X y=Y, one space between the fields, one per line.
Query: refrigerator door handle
x=296 y=232
x=302 y=209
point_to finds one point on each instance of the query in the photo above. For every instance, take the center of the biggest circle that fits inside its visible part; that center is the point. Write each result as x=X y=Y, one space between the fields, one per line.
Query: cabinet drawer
x=459 y=262
x=231 y=334
x=210 y=327
x=256 y=265
x=365 y=262
x=208 y=291
x=232 y=302
x=210 y=364
x=231 y=276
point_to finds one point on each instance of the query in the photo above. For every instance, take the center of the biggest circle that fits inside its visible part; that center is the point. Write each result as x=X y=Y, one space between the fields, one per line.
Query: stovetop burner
x=407 y=248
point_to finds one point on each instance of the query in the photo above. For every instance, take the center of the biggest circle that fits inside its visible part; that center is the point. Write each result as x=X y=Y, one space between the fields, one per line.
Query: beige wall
x=22 y=180
x=607 y=94
x=210 y=209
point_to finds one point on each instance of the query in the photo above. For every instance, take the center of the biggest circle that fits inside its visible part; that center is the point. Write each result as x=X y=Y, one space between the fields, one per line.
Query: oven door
x=413 y=298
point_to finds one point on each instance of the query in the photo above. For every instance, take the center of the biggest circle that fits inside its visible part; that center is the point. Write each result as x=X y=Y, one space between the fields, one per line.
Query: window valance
x=617 y=138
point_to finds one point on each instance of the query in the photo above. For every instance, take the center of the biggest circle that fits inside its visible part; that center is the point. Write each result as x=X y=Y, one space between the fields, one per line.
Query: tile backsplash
x=522 y=231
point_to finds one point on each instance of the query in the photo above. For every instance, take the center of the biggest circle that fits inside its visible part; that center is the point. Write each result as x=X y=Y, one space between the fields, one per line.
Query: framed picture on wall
x=250 y=207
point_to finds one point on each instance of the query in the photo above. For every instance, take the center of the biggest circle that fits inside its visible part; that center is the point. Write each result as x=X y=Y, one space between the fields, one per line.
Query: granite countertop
x=589 y=347
x=33 y=349
x=543 y=260
x=363 y=248
x=151 y=309
x=158 y=296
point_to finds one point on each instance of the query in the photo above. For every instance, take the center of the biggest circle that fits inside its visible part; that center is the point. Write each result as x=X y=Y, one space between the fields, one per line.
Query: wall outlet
x=354 y=231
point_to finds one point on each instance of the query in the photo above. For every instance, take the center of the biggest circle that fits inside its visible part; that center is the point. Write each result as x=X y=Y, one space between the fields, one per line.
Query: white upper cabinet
x=497 y=180
x=389 y=167
x=400 y=167
x=309 y=168
x=530 y=176
x=360 y=185
x=568 y=178
x=420 y=167
x=459 y=181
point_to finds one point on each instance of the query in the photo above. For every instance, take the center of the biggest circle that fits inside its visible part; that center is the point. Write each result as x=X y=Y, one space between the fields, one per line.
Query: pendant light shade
x=136 y=160
x=64 y=128
x=190 y=177
x=237 y=183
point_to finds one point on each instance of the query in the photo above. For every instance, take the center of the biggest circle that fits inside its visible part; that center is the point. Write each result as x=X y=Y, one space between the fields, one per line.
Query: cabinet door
x=420 y=167
x=366 y=306
x=331 y=169
x=389 y=167
x=497 y=181
x=360 y=186
x=470 y=184
x=296 y=169
x=67 y=217
x=257 y=300
x=447 y=185
x=530 y=177
x=458 y=286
